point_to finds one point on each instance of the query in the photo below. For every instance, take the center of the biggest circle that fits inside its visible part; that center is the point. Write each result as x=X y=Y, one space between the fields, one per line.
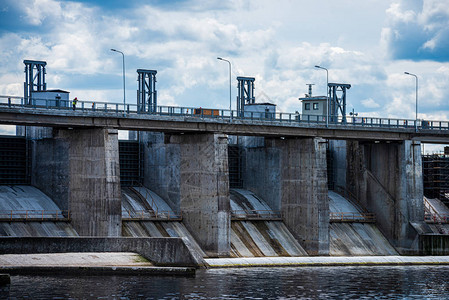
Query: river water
x=385 y=282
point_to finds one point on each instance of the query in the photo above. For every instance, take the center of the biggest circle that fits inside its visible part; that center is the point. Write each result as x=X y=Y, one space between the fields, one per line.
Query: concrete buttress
x=387 y=179
x=291 y=176
x=204 y=190
x=87 y=181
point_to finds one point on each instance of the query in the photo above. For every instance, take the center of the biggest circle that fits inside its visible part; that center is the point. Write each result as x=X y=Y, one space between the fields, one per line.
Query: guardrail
x=149 y=215
x=225 y=114
x=255 y=215
x=436 y=219
x=34 y=215
x=352 y=217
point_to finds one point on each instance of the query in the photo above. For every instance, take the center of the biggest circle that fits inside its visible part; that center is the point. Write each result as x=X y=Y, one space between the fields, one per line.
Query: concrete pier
x=291 y=175
x=205 y=190
x=387 y=179
x=191 y=172
x=80 y=170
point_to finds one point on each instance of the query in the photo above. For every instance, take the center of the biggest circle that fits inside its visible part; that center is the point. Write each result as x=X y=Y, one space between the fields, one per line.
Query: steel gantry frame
x=245 y=93
x=34 y=78
x=436 y=176
x=337 y=103
x=146 y=92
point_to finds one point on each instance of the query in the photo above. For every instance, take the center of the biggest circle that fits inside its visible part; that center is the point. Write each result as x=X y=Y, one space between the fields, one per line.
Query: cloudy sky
x=368 y=44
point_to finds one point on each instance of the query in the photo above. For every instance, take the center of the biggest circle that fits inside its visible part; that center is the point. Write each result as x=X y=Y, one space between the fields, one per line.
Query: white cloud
x=267 y=41
x=370 y=103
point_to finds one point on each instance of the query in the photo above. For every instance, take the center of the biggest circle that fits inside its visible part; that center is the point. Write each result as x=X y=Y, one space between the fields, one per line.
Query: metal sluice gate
x=131 y=162
x=15 y=161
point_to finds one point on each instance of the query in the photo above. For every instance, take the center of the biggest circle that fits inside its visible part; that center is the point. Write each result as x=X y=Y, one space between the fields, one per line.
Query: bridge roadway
x=170 y=122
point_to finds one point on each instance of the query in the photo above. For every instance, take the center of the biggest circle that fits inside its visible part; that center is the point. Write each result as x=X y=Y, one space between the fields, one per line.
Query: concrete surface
x=304 y=200
x=263 y=238
x=387 y=180
x=290 y=175
x=204 y=190
x=81 y=259
x=133 y=203
x=22 y=198
x=94 y=263
x=160 y=251
x=259 y=238
x=190 y=124
x=326 y=261
x=354 y=238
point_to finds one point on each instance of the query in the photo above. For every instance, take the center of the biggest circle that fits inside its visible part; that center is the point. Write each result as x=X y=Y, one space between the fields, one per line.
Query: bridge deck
x=183 y=120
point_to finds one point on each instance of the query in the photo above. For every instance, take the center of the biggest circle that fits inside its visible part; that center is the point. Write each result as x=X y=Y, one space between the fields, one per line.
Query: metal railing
x=223 y=114
x=150 y=215
x=34 y=215
x=431 y=215
x=352 y=217
x=255 y=215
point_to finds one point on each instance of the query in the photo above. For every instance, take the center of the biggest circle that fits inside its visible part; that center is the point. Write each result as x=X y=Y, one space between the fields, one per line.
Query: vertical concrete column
x=410 y=196
x=94 y=181
x=304 y=199
x=204 y=190
x=387 y=179
x=161 y=166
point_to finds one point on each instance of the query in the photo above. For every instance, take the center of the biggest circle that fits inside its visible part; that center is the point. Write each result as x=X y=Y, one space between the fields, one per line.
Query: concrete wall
x=79 y=169
x=262 y=173
x=50 y=169
x=161 y=167
x=191 y=173
x=204 y=190
x=160 y=251
x=387 y=179
x=291 y=175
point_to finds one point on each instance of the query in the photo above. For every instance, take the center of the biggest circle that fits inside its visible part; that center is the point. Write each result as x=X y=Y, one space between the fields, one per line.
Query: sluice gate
x=131 y=166
x=15 y=161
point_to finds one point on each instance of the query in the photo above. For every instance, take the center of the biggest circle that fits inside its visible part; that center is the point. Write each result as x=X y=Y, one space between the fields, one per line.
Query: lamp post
x=124 y=95
x=327 y=93
x=416 y=108
x=230 y=99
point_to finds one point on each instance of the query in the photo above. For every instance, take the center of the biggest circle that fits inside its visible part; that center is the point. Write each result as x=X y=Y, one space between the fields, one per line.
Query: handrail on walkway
x=149 y=215
x=126 y=110
x=253 y=214
x=34 y=215
x=352 y=217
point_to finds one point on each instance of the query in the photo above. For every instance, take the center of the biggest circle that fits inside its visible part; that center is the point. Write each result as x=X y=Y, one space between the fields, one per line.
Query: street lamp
x=124 y=97
x=327 y=93
x=230 y=99
x=416 y=108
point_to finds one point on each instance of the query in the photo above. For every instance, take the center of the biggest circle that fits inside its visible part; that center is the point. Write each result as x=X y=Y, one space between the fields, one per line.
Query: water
x=386 y=282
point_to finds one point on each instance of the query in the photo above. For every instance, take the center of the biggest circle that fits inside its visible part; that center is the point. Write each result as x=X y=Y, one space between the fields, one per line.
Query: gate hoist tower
x=337 y=103
x=245 y=93
x=146 y=92
x=34 y=78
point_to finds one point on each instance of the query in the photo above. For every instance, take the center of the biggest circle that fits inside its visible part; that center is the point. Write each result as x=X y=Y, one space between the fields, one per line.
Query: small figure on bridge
x=74 y=103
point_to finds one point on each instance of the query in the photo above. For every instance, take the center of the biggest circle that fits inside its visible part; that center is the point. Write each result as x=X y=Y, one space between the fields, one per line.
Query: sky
x=368 y=44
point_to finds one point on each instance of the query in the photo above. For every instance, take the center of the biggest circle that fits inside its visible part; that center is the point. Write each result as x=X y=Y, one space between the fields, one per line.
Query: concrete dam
x=150 y=179
x=193 y=183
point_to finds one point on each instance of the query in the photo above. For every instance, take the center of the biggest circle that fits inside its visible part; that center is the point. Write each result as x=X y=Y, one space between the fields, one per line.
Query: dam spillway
x=355 y=238
x=26 y=211
x=257 y=230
